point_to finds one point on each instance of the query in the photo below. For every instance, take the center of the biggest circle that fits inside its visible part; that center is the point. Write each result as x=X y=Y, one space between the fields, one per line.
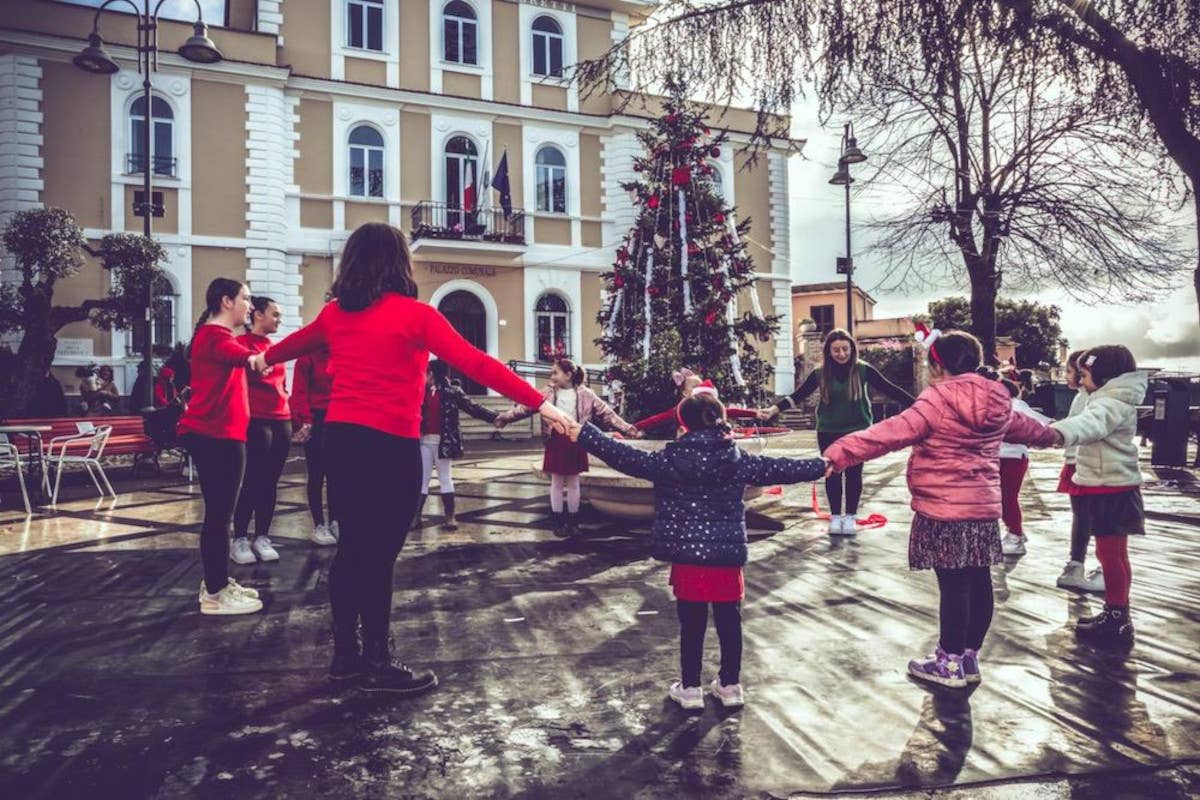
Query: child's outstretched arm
x=620 y=456
x=1029 y=431
x=604 y=413
x=765 y=471
x=895 y=433
x=1097 y=421
x=465 y=403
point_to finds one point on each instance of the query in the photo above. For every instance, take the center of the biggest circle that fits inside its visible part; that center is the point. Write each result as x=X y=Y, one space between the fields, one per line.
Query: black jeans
x=314 y=460
x=374 y=483
x=267 y=444
x=693 y=620
x=966 y=607
x=833 y=484
x=221 y=464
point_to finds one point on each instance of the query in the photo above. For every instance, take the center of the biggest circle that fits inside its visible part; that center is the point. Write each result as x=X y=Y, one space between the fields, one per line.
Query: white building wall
x=781 y=268
x=20 y=142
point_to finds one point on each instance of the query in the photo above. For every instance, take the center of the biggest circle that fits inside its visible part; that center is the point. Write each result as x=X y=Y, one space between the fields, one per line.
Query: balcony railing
x=135 y=164
x=432 y=220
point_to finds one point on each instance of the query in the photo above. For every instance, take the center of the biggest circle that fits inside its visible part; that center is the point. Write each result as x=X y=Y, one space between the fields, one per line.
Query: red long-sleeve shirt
x=220 y=404
x=311 y=386
x=379 y=356
x=268 y=393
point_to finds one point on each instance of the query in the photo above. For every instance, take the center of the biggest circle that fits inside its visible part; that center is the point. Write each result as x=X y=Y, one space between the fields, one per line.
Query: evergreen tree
x=675 y=284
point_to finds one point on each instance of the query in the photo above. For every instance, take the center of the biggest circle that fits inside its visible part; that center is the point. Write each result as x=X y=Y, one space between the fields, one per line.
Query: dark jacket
x=452 y=399
x=699 y=482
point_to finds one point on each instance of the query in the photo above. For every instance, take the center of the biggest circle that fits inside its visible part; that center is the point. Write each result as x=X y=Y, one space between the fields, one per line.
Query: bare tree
x=1136 y=62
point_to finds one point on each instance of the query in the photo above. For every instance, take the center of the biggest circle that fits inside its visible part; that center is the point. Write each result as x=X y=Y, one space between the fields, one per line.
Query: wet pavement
x=554 y=657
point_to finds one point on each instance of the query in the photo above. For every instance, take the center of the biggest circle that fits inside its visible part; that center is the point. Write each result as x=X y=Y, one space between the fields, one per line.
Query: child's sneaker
x=835 y=525
x=689 y=699
x=730 y=696
x=1072 y=577
x=1094 y=583
x=335 y=530
x=1013 y=544
x=322 y=536
x=264 y=549
x=240 y=552
x=237 y=587
x=848 y=525
x=970 y=666
x=228 y=602
x=941 y=668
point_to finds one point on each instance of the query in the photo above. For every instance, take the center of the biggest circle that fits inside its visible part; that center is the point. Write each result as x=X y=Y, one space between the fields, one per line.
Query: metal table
x=33 y=435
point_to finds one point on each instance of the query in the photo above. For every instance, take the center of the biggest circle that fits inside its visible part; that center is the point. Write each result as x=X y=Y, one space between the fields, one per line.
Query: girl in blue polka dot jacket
x=700 y=528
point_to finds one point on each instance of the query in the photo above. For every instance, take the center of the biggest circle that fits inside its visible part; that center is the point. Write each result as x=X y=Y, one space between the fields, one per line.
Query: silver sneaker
x=264 y=549
x=1094 y=582
x=1012 y=545
x=321 y=535
x=240 y=552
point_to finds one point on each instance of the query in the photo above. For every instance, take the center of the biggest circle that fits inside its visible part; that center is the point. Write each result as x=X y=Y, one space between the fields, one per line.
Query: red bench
x=128 y=435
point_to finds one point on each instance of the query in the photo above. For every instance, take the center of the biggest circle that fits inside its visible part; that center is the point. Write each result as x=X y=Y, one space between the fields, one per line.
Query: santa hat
x=927 y=338
x=681 y=375
x=706 y=387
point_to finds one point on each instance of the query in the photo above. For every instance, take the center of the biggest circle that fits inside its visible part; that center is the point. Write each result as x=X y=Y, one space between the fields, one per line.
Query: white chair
x=96 y=438
x=10 y=456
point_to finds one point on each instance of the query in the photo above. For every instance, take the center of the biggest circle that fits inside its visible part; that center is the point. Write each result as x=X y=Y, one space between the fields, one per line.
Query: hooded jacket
x=588 y=407
x=1104 y=430
x=451 y=400
x=955 y=429
x=1078 y=404
x=699 y=483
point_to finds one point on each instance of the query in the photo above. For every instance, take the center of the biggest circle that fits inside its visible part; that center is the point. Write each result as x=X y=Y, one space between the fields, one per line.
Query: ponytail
x=577 y=373
x=259 y=304
x=218 y=290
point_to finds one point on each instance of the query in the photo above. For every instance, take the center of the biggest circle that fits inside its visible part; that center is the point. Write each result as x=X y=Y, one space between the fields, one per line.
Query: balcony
x=443 y=228
x=164 y=166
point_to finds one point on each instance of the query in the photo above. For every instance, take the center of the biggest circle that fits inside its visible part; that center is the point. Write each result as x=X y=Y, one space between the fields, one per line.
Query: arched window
x=460 y=33
x=551 y=167
x=547 y=47
x=718 y=181
x=162 y=136
x=364 y=24
x=552 y=321
x=466 y=314
x=462 y=168
x=164 y=321
x=366 y=162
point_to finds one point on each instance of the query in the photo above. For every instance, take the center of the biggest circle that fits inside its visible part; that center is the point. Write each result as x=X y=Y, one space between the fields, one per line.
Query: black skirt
x=1119 y=514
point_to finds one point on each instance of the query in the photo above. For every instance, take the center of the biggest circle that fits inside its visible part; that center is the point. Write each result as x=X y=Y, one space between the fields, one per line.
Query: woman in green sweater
x=845 y=407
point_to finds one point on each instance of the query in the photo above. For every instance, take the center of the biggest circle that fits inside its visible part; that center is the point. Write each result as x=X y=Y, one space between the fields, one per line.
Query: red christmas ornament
x=715 y=152
x=653 y=291
x=681 y=176
x=718 y=218
x=687 y=217
x=622 y=255
x=653 y=202
x=693 y=248
x=671 y=118
x=618 y=282
x=707 y=131
x=711 y=316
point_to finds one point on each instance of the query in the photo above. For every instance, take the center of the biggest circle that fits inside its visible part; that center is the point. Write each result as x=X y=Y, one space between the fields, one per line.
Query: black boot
x=560 y=524
x=416 y=522
x=448 y=507
x=572 y=526
x=1088 y=622
x=1114 y=630
x=347 y=656
x=386 y=674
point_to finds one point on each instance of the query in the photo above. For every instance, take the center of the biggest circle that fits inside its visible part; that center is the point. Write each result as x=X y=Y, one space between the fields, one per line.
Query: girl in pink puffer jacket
x=955 y=429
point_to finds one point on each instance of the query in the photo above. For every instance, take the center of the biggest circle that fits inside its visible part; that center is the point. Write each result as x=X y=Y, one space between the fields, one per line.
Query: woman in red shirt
x=310 y=401
x=268 y=440
x=379 y=339
x=213 y=429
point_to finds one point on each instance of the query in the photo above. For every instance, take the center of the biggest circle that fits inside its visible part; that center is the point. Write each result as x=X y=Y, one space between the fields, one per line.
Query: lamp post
x=850 y=154
x=94 y=59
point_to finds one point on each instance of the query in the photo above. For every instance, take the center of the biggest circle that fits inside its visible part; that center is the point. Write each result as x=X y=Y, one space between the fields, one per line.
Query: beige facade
x=311 y=127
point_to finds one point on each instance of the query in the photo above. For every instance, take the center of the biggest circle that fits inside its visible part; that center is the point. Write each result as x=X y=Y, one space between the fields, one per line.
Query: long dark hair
x=578 y=376
x=217 y=290
x=260 y=303
x=703 y=411
x=827 y=363
x=958 y=352
x=375 y=260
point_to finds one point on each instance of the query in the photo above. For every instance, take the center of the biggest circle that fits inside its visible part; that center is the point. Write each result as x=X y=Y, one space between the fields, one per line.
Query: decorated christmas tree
x=674 y=289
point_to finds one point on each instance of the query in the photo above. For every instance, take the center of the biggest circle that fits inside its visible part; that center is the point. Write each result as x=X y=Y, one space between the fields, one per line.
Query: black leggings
x=267 y=444
x=374 y=483
x=693 y=620
x=1079 y=534
x=314 y=460
x=966 y=607
x=833 y=484
x=221 y=464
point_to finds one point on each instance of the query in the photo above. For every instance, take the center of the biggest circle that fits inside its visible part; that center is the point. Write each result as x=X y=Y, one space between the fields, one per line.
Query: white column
x=616 y=166
x=781 y=265
x=270 y=17
x=20 y=142
x=270 y=150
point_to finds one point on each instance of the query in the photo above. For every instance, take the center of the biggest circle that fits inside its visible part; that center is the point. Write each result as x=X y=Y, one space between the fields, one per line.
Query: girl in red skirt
x=564 y=459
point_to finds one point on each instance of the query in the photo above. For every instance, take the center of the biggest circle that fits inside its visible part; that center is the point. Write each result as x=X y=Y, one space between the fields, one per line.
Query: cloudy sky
x=214 y=10
x=1164 y=333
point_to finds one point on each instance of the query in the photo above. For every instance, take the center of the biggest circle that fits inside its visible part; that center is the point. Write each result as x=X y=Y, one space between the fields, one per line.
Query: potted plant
x=807 y=325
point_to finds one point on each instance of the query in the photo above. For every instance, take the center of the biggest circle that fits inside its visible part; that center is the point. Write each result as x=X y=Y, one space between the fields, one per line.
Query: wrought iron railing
x=432 y=220
x=163 y=165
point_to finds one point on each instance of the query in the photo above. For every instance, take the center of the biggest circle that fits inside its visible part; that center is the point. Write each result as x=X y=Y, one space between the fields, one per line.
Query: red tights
x=1113 y=553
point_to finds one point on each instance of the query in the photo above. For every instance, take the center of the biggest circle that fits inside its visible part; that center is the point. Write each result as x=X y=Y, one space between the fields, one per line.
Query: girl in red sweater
x=213 y=429
x=379 y=339
x=268 y=440
x=310 y=401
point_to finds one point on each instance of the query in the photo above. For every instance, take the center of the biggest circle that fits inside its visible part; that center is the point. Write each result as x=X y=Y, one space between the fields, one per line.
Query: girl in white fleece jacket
x=1074 y=574
x=1108 y=481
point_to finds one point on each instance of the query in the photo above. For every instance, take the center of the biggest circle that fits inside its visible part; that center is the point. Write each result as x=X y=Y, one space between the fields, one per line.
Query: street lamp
x=851 y=154
x=94 y=59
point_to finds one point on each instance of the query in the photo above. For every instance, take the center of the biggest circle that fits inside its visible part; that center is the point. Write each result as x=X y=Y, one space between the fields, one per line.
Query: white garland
x=755 y=304
x=735 y=361
x=683 y=254
x=649 y=276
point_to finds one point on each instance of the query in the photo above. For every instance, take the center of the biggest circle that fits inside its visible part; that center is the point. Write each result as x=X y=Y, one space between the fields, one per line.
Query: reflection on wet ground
x=554 y=658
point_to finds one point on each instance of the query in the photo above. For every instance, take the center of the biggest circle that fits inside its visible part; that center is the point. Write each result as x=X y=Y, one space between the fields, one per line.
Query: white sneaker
x=237 y=587
x=1013 y=544
x=264 y=550
x=239 y=551
x=849 y=525
x=335 y=530
x=730 y=696
x=229 y=601
x=690 y=699
x=835 y=525
x=1094 y=582
x=323 y=536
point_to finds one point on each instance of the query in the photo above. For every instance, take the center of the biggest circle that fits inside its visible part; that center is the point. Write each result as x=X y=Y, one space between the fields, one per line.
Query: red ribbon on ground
x=873 y=521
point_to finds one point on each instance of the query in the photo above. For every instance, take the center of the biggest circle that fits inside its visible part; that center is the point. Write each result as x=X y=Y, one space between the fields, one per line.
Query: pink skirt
x=564 y=457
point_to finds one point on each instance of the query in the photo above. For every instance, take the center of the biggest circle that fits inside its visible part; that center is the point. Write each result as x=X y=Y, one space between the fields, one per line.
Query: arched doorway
x=468 y=316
